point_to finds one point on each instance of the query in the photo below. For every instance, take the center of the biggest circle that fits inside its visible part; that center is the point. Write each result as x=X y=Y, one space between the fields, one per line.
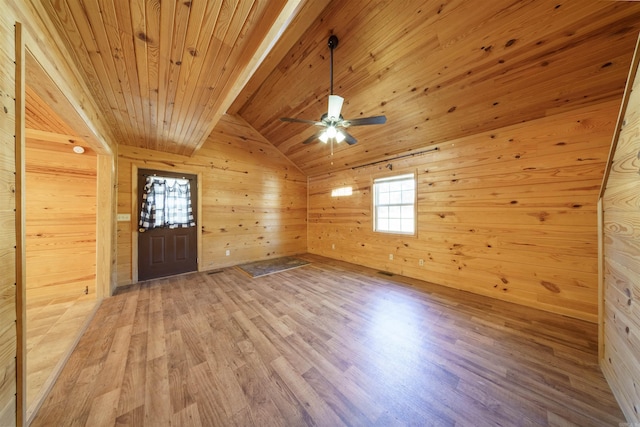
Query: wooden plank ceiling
x=164 y=72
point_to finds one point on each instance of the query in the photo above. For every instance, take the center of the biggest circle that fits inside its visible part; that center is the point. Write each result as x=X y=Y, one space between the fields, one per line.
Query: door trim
x=20 y=226
x=135 y=203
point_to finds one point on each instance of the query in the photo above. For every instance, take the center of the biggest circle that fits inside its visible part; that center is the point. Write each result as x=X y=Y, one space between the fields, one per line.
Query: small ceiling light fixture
x=78 y=149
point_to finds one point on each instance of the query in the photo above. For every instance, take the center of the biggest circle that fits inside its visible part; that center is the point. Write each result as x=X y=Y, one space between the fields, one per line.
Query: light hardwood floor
x=327 y=344
x=52 y=331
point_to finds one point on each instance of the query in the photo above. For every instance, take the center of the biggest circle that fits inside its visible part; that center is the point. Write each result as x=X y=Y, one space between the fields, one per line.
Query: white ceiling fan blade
x=335 y=105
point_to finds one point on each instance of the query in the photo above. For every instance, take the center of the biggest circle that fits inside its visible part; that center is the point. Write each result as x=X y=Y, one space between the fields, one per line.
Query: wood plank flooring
x=52 y=331
x=327 y=344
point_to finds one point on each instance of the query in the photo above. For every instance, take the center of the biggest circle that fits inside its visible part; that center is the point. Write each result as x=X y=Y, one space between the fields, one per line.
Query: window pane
x=407 y=197
x=394 y=211
x=394 y=224
x=408 y=185
x=383 y=199
x=407 y=225
x=166 y=203
x=407 y=212
x=395 y=198
x=383 y=212
x=383 y=224
x=395 y=186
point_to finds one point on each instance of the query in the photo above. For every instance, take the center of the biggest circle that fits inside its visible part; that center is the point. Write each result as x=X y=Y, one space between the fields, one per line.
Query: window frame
x=375 y=202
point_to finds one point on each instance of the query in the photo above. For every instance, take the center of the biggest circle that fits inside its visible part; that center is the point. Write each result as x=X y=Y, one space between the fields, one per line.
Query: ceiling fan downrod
x=332 y=43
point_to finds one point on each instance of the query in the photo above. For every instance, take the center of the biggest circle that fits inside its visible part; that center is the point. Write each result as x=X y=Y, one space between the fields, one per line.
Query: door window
x=166 y=203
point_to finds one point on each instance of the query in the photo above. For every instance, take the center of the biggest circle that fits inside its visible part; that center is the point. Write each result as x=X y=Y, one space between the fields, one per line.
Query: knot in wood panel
x=550 y=286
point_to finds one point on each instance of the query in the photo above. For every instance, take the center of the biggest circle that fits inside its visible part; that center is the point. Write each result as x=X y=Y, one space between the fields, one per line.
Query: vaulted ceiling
x=163 y=73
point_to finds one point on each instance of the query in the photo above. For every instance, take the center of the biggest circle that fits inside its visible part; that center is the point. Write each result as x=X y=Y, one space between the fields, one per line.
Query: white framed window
x=394 y=201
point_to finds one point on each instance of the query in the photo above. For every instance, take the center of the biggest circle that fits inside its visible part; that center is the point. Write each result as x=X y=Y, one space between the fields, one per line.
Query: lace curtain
x=166 y=203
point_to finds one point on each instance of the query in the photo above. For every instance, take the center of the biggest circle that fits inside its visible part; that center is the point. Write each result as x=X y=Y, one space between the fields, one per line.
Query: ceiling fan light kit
x=333 y=122
x=331 y=133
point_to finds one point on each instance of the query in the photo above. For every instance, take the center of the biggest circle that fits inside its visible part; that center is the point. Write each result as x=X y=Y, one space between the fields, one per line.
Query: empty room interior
x=297 y=212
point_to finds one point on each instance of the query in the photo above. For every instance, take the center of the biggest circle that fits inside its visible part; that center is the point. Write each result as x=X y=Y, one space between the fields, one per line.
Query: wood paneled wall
x=254 y=201
x=509 y=214
x=7 y=222
x=621 y=244
x=44 y=47
x=60 y=222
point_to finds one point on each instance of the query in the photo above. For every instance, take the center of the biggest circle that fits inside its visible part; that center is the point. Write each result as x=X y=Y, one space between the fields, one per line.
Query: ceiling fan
x=333 y=124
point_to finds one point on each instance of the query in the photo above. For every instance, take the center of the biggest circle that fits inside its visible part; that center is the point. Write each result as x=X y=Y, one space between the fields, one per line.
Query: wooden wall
x=254 y=201
x=60 y=222
x=44 y=47
x=7 y=223
x=509 y=214
x=621 y=244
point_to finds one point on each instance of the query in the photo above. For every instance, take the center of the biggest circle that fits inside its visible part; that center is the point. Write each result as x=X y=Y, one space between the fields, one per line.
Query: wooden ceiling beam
x=249 y=63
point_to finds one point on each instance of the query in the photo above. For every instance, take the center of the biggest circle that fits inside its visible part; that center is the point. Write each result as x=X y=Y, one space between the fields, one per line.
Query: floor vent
x=386 y=273
x=215 y=271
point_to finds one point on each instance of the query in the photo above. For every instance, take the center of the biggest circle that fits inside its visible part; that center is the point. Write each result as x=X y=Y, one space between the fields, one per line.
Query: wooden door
x=167 y=251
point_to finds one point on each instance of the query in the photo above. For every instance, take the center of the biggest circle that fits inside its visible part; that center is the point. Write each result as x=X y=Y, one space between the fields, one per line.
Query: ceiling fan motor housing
x=333 y=42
